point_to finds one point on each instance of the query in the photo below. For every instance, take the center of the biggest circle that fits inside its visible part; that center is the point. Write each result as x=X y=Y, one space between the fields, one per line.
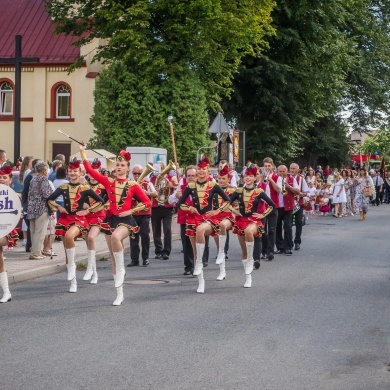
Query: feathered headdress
x=96 y=164
x=6 y=170
x=251 y=170
x=124 y=156
x=74 y=164
x=203 y=162
x=224 y=171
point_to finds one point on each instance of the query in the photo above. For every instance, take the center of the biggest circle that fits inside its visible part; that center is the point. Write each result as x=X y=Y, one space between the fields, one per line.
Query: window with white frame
x=63 y=102
x=6 y=98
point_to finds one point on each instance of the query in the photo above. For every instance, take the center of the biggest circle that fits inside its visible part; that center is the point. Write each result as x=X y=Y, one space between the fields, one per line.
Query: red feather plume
x=96 y=164
x=224 y=171
x=6 y=170
x=125 y=155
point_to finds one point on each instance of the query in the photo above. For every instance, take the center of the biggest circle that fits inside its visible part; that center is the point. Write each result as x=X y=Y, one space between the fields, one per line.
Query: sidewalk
x=20 y=268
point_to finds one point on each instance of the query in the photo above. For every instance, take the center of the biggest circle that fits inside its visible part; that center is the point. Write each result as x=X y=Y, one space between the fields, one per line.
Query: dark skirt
x=111 y=222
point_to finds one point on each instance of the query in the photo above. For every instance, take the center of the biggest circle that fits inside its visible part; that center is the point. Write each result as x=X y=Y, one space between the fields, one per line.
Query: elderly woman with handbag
x=364 y=191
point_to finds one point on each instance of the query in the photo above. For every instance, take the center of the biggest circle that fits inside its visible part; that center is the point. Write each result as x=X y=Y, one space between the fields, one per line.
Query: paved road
x=316 y=320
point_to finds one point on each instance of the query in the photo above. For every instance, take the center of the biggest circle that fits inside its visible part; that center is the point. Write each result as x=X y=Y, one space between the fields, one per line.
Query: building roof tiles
x=30 y=19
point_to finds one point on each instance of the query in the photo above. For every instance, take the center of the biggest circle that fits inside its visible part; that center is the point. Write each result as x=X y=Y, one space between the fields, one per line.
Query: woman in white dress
x=339 y=196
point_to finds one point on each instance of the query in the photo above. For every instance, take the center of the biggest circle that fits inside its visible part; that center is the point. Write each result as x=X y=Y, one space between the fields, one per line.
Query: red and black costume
x=142 y=218
x=220 y=203
x=248 y=200
x=97 y=217
x=75 y=197
x=120 y=193
x=202 y=195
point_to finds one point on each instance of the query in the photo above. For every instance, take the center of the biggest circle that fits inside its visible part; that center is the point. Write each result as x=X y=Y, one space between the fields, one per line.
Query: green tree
x=368 y=79
x=297 y=80
x=170 y=36
x=378 y=142
x=131 y=111
x=326 y=58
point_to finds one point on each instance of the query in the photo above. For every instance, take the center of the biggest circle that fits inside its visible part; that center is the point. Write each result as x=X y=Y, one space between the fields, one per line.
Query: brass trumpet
x=149 y=168
x=284 y=191
x=161 y=183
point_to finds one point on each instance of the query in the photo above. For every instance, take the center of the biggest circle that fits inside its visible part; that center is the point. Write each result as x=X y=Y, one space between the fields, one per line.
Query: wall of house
x=38 y=130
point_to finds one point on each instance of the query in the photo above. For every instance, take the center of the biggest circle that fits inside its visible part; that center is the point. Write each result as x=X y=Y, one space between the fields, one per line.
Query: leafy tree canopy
x=132 y=111
x=325 y=57
x=170 y=36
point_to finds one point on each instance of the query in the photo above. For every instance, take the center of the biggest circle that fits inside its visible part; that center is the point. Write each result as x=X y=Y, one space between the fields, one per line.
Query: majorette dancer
x=72 y=222
x=94 y=220
x=202 y=219
x=9 y=240
x=119 y=222
x=226 y=221
x=247 y=223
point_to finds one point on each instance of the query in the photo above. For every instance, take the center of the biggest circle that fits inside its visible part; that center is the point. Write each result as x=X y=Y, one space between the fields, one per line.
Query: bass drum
x=10 y=210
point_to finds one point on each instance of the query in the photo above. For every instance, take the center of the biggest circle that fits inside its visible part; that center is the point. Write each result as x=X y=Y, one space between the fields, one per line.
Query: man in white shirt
x=304 y=189
x=378 y=182
x=290 y=189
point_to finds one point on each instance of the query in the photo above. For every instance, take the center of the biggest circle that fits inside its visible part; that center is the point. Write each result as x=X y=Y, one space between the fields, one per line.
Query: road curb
x=51 y=269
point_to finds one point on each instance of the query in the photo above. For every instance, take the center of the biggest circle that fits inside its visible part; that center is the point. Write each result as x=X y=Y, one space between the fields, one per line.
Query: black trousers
x=162 y=215
x=298 y=225
x=143 y=233
x=270 y=227
x=258 y=244
x=284 y=229
x=188 y=253
x=379 y=196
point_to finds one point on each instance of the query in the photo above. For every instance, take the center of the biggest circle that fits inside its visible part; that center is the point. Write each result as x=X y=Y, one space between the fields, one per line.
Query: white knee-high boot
x=73 y=286
x=222 y=272
x=200 y=289
x=95 y=278
x=4 y=286
x=91 y=259
x=119 y=268
x=71 y=264
x=248 y=278
x=221 y=249
x=249 y=263
x=199 y=255
x=119 y=296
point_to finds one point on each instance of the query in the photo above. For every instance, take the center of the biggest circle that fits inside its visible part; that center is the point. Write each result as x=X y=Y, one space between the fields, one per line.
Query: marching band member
x=188 y=253
x=248 y=224
x=9 y=240
x=142 y=218
x=285 y=211
x=232 y=181
x=72 y=222
x=119 y=222
x=94 y=220
x=226 y=221
x=260 y=246
x=274 y=187
x=162 y=211
x=303 y=191
x=202 y=219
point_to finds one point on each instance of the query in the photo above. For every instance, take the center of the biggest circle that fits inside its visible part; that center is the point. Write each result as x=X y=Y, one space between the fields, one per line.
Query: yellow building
x=51 y=99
